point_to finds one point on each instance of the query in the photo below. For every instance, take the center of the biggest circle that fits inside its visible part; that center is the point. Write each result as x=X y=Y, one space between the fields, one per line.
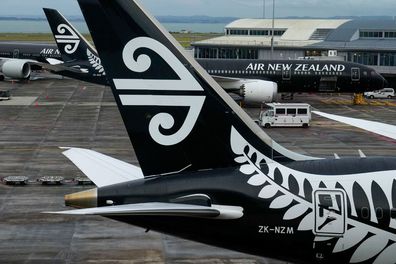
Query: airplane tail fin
x=75 y=50
x=177 y=116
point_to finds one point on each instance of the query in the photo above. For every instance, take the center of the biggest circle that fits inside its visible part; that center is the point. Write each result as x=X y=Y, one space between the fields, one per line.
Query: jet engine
x=259 y=91
x=18 y=69
x=252 y=91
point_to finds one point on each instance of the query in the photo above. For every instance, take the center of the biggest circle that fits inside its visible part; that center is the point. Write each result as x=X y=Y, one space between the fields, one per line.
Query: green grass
x=185 y=39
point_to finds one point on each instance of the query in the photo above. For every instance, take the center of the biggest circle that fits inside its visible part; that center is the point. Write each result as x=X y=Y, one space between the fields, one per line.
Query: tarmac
x=46 y=114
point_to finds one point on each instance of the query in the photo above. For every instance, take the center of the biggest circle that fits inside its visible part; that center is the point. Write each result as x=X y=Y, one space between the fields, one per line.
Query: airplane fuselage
x=322 y=230
x=293 y=76
x=32 y=51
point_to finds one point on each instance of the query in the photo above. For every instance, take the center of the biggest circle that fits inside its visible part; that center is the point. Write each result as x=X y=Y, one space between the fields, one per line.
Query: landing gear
x=358 y=99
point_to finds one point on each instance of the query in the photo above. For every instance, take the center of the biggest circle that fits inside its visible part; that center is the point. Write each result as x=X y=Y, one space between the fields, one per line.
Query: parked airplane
x=75 y=59
x=17 y=59
x=293 y=76
x=209 y=173
x=75 y=50
x=257 y=81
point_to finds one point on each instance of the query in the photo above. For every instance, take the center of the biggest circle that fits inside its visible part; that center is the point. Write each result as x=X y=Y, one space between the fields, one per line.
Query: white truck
x=285 y=115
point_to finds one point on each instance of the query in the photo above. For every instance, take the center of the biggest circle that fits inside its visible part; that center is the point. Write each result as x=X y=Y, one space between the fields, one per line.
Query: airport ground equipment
x=83 y=181
x=5 y=95
x=386 y=93
x=47 y=180
x=285 y=115
x=16 y=180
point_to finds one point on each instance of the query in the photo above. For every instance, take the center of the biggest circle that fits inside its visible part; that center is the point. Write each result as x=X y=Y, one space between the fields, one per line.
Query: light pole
x=264 y=9
x=273 y=28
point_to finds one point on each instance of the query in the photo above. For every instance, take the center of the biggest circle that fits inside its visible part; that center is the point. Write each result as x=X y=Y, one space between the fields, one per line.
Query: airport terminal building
x=369 y=42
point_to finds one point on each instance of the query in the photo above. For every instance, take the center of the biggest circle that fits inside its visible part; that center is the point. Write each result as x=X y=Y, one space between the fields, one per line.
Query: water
x=24 y=26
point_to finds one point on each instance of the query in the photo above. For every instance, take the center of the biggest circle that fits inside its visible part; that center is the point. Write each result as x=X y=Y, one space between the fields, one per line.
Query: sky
x=233 y=8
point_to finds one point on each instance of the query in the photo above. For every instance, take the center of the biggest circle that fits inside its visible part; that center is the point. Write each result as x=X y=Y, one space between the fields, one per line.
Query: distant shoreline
x=197 y=19
x=162 y=19
x=42 y=27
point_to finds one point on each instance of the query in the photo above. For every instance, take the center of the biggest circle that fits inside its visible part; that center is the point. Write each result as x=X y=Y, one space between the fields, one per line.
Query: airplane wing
x=56 y=67
x=371 y=126
x=161 y=209
x=225 y=79
x=101 y=169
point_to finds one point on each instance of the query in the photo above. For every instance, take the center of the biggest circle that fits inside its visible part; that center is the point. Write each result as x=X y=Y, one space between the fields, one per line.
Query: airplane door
x=355 y=74
x=330 y=213
x=15 y=54
x=286 y=75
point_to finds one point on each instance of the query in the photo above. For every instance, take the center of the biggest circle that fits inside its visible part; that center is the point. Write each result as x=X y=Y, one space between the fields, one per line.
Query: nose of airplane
x=380 y=80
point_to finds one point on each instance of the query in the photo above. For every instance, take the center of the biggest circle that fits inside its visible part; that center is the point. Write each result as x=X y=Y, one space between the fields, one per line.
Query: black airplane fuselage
x=29 y=51
x=260 y=225
x=294 y=76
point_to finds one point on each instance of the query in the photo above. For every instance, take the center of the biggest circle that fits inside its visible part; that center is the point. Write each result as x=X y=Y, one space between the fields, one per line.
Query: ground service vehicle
x=285 y=115
x=383 y=93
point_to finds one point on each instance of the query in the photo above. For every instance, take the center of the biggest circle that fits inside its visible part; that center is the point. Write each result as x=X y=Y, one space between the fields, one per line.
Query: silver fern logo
x=68 y=37
x=96 y=63
x=328 y=206
x=162 y=122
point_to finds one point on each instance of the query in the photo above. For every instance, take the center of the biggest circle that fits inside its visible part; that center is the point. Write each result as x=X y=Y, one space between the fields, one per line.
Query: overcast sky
x=236 y=8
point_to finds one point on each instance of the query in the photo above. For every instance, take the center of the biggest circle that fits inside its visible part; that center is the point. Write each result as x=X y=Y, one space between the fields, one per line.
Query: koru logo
x=69 y=37
x=186 y=83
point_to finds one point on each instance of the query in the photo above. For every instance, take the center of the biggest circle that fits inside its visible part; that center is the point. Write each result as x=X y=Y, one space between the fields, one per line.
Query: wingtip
x=54 y=213
x=65 y=148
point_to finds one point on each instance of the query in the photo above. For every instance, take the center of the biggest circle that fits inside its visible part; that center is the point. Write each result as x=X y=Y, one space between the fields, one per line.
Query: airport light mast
x=273 y=28
x=263 y=9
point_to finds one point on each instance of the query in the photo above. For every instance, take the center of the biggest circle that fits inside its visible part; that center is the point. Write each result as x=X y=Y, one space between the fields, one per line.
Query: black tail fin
x=177 y=116
x=76 y=51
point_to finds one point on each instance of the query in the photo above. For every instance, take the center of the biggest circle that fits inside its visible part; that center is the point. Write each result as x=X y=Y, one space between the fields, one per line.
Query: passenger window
x=302 y=111
x=281 y=111
x=291 y=111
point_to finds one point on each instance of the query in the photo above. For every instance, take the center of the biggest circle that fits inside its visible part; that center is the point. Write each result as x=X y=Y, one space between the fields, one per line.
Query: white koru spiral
x=186 y=82
x=71 y=40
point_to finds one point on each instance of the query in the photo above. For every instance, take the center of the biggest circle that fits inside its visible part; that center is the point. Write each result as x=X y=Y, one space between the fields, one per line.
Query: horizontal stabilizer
x=55 y=67
x=101 y=169
x=161 y=209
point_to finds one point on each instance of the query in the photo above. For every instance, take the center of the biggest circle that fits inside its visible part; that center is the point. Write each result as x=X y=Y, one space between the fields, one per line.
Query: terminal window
x=226 y=53
x=390 y=34
x=366 y=58
x=371 y=34
x=388 y=59
x=255 y=32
